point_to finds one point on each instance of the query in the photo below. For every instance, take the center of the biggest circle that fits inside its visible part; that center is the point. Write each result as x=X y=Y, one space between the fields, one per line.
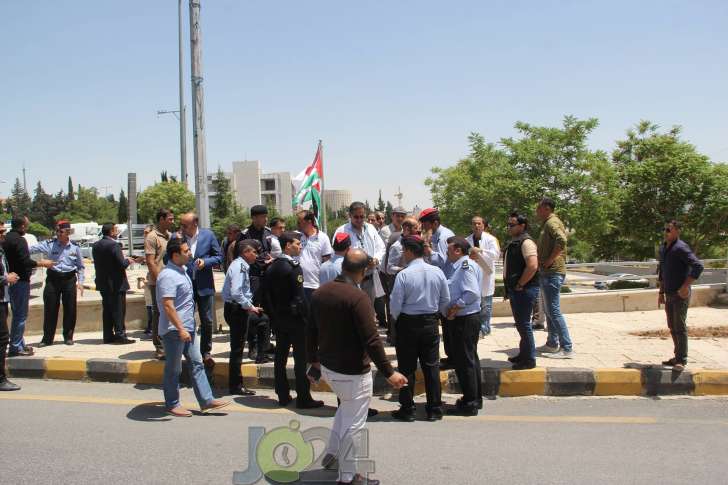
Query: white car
x=604 y=284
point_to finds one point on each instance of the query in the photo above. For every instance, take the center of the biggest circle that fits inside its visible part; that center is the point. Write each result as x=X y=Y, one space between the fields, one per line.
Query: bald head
x=355 y=264
x=188 y=223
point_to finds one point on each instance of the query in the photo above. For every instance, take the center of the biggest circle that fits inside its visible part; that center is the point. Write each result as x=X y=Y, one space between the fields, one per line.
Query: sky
x=392 y=88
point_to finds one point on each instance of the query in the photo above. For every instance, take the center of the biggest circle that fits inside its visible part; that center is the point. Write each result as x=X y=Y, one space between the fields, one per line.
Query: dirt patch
x=697 y=332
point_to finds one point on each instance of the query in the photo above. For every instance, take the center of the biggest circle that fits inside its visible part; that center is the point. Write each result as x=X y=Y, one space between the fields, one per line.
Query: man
x=463 y=312
x=342 y=346
x=678 y=269
x=332 y=268
x=551 y=275
x=277 y=227
x=520 y=279
x=365 y=236
x=382 y=228
x=286 y=305
x=259 y=332
x=7 y=279
x=110 y=267
x=19 y=262
x=231 y=235
x=420 y=295
x=485 y=251
x=395 y=264
x=62 y=280
x=206 y=254
x=155 y=248
x=177 y=327
x=395 y=227
x=315 y=250
x=238 y=298
x=259 y=231
x=372 y=219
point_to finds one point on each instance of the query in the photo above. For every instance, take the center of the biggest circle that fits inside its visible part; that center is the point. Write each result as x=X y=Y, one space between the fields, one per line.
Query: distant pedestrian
x=678 y=269
x=155 y=248
x=175 y=297
x=7 y=279
x=520 y=279
x=485 y=251
x=552 y=272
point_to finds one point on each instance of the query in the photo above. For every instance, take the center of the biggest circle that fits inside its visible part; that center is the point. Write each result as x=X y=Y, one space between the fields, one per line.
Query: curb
x=541 y=381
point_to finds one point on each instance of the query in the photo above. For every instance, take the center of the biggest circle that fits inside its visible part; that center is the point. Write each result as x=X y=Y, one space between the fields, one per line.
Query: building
x=337 y=199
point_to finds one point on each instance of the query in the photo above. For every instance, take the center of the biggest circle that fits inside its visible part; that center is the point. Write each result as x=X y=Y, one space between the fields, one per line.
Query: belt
x=424 y=319
x=60 y=274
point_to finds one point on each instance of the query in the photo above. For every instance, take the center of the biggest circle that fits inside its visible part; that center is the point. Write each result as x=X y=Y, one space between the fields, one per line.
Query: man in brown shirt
x=155 y=246
x=342 y=343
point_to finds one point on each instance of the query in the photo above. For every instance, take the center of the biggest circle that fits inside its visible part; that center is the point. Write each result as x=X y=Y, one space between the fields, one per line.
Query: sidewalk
x=604 y=352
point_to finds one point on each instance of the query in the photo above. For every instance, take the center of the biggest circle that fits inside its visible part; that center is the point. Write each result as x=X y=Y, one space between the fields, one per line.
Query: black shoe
x=434 y=416
x=252 y=355
x=514 y=359
x=68 y=342
x=445 y=364
x=524 y=365
x=44 y=344
x=670 y=362
x=359 y=480
x=6 y=385
x=463 y=411
x=123 y=341
x=241 y=391
x=330 y=462
x=402 y=415
x=20 y=353
x=537 y=326
x=263 y=360
x=372 y=412
x=309 y=404
x=271 y=350
x=285 y=401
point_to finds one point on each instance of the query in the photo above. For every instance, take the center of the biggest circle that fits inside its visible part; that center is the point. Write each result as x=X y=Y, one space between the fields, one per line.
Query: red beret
x=341 y=237
x=431 y=211
x=63 y=224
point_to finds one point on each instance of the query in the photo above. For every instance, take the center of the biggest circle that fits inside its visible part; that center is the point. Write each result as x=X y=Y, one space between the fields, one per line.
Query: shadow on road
x=149 y=412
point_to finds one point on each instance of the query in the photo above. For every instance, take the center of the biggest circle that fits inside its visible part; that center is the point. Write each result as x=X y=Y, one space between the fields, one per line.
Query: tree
x=41 y=210
x=380 y=203
x=19 y=201
x=388 y=213
x=122 y=215
x=163 y=177
x=224 y=203
x=89 y=207
x=171 y=195
x=70 y=189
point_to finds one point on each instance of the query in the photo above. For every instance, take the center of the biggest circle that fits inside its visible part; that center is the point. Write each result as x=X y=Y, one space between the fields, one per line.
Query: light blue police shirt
x=67 y=258
x=419 y=289
x=464 y=286
x=236 y=288
x=330 y=269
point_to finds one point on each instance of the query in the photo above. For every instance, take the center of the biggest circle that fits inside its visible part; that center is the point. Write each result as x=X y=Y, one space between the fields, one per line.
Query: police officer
x=463 y=313
x=238 y=298
x=286 y=305
x=419 y=296
x=258 y=323
x=259 y=230
x=62 y=280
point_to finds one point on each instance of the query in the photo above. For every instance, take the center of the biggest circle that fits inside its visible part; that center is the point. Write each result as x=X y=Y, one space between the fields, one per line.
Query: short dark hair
x=414 y=244
x=675 y=223
x=174 y=246
x=106 y=228
x=342 y=245
x=233 y=227
x=520 y=219
x=246 y=244
x=287 y=238
x=275 y=221
x=460 y=243
x=547 y=202
x=163 y=214
x=355 y=206
x=354 y=262
x=308 y=216
x=17 y=222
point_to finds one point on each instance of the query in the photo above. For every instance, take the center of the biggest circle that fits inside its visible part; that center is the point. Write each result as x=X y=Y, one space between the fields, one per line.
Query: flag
x=307 y=185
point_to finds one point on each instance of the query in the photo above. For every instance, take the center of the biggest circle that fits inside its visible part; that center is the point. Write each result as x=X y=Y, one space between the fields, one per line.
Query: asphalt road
x=74 y=432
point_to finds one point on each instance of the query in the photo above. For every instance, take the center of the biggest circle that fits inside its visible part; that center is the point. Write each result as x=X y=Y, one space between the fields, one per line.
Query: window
x=267 y=184
x=269 y=200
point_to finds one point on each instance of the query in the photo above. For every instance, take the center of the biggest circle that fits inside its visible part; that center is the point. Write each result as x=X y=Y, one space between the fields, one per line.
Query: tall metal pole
x=182 y=113
x=198 y=117
x=323 y=191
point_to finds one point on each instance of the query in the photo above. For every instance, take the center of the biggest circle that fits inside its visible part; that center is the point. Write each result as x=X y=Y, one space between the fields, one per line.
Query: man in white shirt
x=485 y=252
x=315 y=249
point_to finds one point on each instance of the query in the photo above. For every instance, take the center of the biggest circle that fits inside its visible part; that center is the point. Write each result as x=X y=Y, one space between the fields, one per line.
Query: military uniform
x=286 y=306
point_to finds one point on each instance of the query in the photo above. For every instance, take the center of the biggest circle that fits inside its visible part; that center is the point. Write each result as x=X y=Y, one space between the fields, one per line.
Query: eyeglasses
x=510 y=224
x=357 y=217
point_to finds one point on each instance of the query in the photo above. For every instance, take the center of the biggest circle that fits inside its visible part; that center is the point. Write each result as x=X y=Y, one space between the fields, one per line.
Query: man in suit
x=110 y=267
x=206 y=253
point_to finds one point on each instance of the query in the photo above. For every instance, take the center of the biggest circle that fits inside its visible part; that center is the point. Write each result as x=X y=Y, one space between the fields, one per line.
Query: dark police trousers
x=4 y=337
x=237 y=319
x=59 y=287
x=464 y=333
x=114 y=314
x=258 y=333
x=447 y=337
x=418 y=337
x=677 y=314
x=287 y=336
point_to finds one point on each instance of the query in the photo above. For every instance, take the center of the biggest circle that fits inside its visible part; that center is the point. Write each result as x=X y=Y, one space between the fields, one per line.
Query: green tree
x=171 y=195
x=89 y=207
x=380 y=202
x=41 y=210
x=19 y=202
x=225 y=204
x=70 y=189
x=122 y=215
x=388 y=212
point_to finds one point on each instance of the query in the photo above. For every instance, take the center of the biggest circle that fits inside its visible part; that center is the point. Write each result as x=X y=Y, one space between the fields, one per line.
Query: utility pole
x=202 y=202
x=182 y=110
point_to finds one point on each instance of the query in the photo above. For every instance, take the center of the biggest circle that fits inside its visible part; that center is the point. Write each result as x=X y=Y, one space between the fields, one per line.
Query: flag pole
x=323 y=181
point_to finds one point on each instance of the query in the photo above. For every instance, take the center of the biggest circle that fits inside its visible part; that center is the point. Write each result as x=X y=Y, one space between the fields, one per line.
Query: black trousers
x=4 y=338
x=258 y=333
x=287 y=337
x=237 y=319
x=447 y=336
x=418 y=339
x=59 y=287
x=113 y=314
x=464 y=333
x=677 y=313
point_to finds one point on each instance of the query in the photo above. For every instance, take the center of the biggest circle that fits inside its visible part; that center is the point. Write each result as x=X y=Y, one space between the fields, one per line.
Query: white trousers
x=355 y=393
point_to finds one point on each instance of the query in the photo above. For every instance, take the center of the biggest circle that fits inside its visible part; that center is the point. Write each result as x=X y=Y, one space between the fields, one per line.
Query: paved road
x=72 y=432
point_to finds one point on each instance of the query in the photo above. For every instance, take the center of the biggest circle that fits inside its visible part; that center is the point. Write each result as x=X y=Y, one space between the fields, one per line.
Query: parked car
x=606 y=283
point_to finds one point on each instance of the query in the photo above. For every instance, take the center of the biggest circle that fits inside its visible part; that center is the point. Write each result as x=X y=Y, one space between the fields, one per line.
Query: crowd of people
x=323 y=300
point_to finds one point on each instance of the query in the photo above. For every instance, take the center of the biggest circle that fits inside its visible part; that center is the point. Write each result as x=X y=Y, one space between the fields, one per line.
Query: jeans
x=205 y=305
x=19 y=295
x=4 y=338
x=550 y=292
x=175 y=349
x=521 y=305
x=486 y=311
x=677 y=312
x=355 y=394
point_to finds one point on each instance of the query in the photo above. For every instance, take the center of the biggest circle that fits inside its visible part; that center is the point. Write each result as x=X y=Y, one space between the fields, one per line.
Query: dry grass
x=694 y=332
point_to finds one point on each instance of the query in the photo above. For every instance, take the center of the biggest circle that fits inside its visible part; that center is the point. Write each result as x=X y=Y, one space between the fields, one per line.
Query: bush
x=628 y=284
x=39 y=230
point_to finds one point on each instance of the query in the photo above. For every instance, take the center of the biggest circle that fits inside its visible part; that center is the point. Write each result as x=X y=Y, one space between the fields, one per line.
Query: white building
x=337 y=199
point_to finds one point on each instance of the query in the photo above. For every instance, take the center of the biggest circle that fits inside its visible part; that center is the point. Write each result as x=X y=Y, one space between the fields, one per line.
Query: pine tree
x=70 y=189
x=19 y=201
x=123 y=216
x=224 y=202
x=388 y=212
x=380 y=202
x=41 y=208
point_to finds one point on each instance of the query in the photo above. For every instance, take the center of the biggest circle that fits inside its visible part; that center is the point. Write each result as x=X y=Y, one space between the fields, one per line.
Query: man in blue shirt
x=177 y=328
x=331 y=268
x=238 y=297
x=678 y=269
x=419 y=296
x=464 y=314
x=62 y=280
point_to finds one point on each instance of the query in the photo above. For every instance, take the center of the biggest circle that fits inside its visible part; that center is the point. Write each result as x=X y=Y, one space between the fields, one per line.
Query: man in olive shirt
x=342 y=344
x=552 y=272
x=155 y=247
